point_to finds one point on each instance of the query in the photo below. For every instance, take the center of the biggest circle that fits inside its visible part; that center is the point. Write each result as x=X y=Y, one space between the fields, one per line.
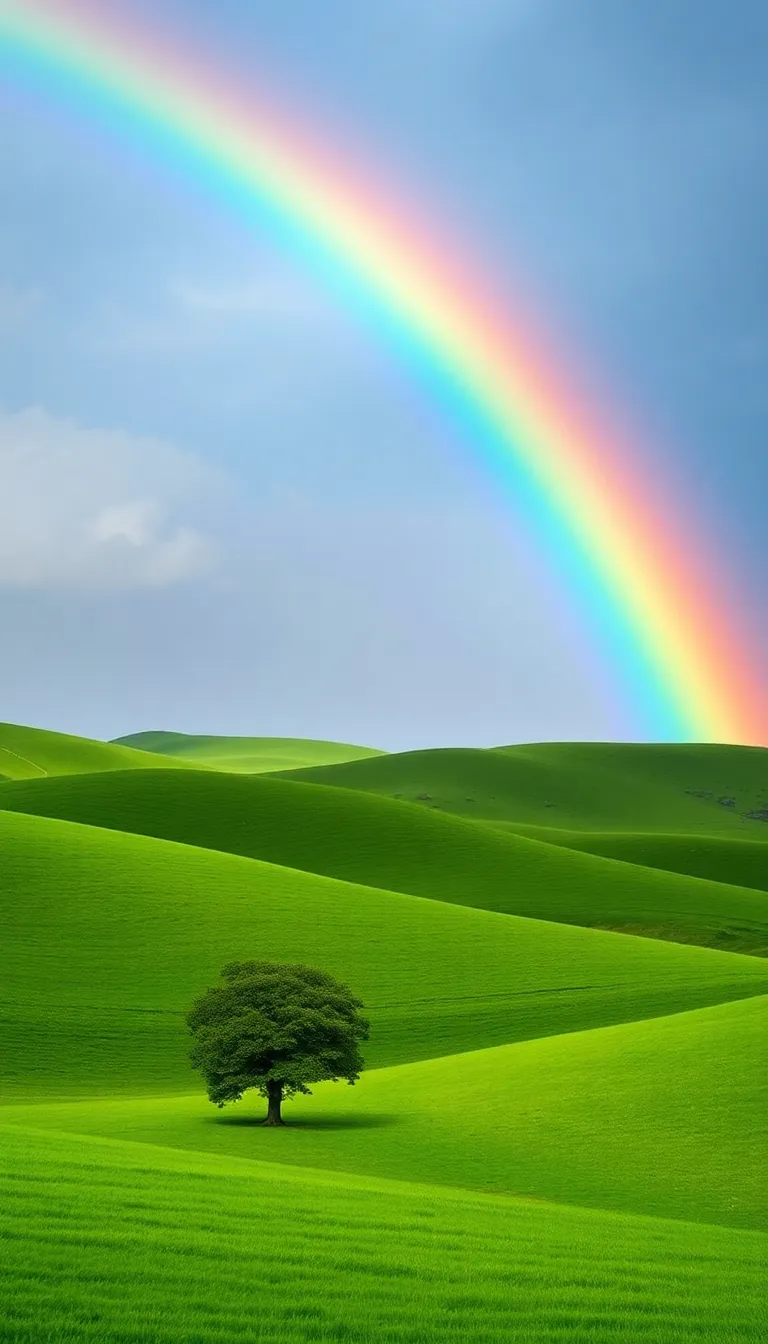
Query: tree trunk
x=274 y=1100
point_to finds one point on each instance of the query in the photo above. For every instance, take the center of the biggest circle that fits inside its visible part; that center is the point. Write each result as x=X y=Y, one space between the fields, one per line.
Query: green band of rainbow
x=642 y=587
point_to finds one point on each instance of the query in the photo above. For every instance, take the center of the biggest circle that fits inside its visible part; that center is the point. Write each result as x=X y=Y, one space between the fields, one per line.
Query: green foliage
x=274 y=1024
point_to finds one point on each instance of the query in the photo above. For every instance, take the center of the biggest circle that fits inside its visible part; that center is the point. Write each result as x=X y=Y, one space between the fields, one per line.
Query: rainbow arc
x=644 y=588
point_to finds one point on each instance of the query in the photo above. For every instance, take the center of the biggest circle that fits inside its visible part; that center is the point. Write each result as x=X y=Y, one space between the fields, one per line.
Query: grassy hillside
x=541 y=1098
x=34 y=753
x=250 y=755
x=664 y=1117
x=106 y=937
x=718 y=858
x=595 y=786
x=378 y=842
x=107 y=1241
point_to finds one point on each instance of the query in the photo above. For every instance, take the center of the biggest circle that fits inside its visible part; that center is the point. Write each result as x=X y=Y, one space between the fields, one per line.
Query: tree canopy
x=276 y=1028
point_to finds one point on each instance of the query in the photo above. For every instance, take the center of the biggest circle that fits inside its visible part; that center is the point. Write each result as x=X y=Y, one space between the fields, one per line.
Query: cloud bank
x=84 y=508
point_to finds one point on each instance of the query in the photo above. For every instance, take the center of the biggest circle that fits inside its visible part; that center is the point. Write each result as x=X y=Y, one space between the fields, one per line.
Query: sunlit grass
x=666 y=1117
x=121 y=1242
x=107 y=937
x=363 y=838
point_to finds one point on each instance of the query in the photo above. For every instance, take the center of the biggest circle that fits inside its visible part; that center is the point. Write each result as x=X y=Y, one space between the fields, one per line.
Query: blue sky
x=224 y=508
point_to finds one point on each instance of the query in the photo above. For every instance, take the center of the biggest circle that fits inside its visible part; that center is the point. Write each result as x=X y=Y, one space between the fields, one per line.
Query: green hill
x=542 y=1100
x=34 y=753
x=572 y=785
x=249 y=755
x=377 y=842
x=665 y=1117
x=106 y=937
x=107 y=1241
x=717 y=858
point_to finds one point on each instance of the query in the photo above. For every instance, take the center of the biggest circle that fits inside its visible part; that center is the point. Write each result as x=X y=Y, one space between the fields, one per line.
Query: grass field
x=595 y=786
x=717 y=858
x=250 y=755
x=90 y=1003
x=560 y=1133
x=559 y=1119
x=35 y=753
x=122 y=1241
x=378 y=842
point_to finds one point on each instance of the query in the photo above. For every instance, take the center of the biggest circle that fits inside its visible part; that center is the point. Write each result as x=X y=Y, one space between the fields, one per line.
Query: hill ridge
x=583 y=785
x=396 y=846
x=444 y=971
x=53 y=754
x=247 y=754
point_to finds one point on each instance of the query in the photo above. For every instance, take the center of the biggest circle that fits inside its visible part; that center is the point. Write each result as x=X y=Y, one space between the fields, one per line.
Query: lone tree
x=275 y=1028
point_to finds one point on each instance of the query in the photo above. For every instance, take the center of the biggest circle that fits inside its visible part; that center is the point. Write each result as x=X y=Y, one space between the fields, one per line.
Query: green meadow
x=561 y=1130
x=250 y=755
x=34 y=753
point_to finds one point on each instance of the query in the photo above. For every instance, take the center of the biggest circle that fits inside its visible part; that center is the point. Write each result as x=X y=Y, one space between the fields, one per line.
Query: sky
x=223 y=505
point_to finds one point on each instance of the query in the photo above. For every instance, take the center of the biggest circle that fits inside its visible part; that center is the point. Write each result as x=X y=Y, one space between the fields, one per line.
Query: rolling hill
x=378 y=842
x=250 y=755
x=117 y=1240
x=594 y=786
x=665 y=1117
x=106 y=938
x=35 y=753
x=717 y=858
x=560 y=1132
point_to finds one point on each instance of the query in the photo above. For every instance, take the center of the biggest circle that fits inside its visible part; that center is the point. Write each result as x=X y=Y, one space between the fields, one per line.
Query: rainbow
x=641 y=586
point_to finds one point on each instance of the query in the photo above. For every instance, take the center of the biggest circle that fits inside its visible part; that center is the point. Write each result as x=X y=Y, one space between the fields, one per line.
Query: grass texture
x=562 y=1131
x=377 y=842
x=666 y=1117
x=125 y=1243
x=250 y=755
x=106 y=938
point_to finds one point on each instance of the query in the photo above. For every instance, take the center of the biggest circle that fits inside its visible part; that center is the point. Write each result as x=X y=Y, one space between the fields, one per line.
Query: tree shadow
x=319 y=1122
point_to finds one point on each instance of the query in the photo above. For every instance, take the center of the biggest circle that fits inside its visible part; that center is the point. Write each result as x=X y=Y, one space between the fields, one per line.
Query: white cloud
x=274 y=300
x=96 y=509
x=279 y=292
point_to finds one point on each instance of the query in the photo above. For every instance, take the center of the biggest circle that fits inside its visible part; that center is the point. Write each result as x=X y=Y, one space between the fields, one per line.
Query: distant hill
x=594 y=786
x=34 y=753
x=247 y=755
x=361 y=837
x=737 y=857
x=106 y=938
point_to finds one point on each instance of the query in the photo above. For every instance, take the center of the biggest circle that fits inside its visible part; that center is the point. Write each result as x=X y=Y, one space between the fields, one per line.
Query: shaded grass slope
x=372 y=840
x=106 y=937
x=34 y=753
x=249 y=755
x=666 y=1117
x=591 y=785
x=125 y=1242
x=717 y=858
